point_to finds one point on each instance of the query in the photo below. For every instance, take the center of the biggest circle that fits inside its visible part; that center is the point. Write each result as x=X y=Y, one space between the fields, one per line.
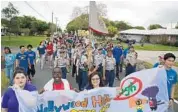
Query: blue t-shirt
x=41 y=50
x=125 y=52
x=9 y=60
x=156 y=65
x=171 y=80
x=32 y=56
x=23 y=59
x=117 y=53
x=9 y=99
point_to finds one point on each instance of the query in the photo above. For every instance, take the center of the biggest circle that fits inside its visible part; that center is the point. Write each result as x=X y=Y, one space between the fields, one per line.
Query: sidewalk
x=152 y=56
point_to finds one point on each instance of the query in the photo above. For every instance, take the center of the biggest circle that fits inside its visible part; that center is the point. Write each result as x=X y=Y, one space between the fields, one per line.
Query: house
x=160 y=36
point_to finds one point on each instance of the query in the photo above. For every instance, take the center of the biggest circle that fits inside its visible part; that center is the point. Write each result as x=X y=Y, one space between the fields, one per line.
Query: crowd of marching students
x=93 y=65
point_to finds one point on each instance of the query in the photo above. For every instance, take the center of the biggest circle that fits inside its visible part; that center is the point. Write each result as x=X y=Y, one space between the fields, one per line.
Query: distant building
x=3 y=30
x=158 y=36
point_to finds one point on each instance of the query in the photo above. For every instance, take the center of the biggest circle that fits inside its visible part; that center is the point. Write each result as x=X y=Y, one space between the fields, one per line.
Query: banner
x=143 y=91
x=96 y=24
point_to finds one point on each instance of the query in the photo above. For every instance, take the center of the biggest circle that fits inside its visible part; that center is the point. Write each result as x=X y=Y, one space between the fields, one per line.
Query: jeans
x=64 y=72
x=130 y=69
x=42 y=59
x=110 y=75
x=9 y=74
x=82 y=79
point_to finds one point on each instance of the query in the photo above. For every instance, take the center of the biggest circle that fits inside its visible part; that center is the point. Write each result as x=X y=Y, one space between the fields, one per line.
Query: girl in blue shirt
x=9 y=64
x=9 y=100
x=41 y=53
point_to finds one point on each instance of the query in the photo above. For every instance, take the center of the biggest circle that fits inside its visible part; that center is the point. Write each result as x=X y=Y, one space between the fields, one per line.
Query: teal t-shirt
x=171 y=80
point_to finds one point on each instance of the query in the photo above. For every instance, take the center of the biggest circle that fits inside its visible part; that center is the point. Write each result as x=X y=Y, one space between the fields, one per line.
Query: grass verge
x=21 y=40
x=4 y=80
x=149 y=47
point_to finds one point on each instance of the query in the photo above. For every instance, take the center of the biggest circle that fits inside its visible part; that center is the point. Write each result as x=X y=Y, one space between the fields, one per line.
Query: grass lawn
x=156 y=47
x=21 y=40
x=176 y=92
x=148 y=65
x=176 y=64
x=4 y=80
x=149 y=47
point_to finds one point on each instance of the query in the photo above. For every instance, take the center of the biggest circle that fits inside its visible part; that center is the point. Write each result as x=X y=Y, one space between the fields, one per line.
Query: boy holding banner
x=169 y=60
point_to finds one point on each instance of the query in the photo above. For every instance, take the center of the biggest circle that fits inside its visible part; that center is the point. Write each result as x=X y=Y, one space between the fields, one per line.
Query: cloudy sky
x=135 y=13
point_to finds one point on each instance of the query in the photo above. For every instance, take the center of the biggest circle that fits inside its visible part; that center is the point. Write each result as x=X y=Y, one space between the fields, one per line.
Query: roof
x=151 y=32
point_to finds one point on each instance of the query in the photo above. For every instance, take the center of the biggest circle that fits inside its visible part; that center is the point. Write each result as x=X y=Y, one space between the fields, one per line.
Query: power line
x=35 y=10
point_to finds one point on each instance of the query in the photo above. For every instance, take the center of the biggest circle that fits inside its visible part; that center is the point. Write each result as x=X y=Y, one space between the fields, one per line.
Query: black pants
x=31 y=71
x=73 y=70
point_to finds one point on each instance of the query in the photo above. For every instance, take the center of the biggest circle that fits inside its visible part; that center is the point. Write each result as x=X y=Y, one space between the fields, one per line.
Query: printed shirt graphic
x=9 y=59
x=23 y=59
x=32 y=56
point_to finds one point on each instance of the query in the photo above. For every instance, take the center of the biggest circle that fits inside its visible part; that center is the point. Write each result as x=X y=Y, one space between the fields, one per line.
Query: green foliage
x=122 y=25
x=4 y=80
x=79 y=23
x=154 y=26
x=139 y=27
x=9 y=11
x=176 y=26
x=112 y=30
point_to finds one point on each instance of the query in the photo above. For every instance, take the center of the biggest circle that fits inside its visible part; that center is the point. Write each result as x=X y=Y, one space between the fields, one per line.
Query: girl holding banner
x=9 y=100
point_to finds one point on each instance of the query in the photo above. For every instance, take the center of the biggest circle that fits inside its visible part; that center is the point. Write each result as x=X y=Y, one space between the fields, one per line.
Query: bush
x=176 y=44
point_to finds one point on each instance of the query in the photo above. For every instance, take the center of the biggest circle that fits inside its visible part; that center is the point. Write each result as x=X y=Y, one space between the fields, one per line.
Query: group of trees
x=80 y=21
x=27 y=25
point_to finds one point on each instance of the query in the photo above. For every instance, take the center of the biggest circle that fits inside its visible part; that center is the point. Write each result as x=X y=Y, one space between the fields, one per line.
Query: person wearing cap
x=161 y=61
x=83 y=71
x=61 y=61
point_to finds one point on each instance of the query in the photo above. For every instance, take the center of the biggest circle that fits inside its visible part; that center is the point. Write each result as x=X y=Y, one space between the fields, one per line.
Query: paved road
x=43 y=76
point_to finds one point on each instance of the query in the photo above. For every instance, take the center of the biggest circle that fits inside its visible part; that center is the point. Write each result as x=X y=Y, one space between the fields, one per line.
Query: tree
x=154 y=26
x=121 y=25
x=176 y=26
x=139 y=27
x=112 y=31
x=15 y=25
x=9 y=12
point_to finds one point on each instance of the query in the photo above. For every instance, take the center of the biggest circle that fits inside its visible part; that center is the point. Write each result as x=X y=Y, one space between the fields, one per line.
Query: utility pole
x=52 y=24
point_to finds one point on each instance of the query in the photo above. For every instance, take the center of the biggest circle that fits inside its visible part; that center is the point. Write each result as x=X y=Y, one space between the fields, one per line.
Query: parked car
x=126 y=40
